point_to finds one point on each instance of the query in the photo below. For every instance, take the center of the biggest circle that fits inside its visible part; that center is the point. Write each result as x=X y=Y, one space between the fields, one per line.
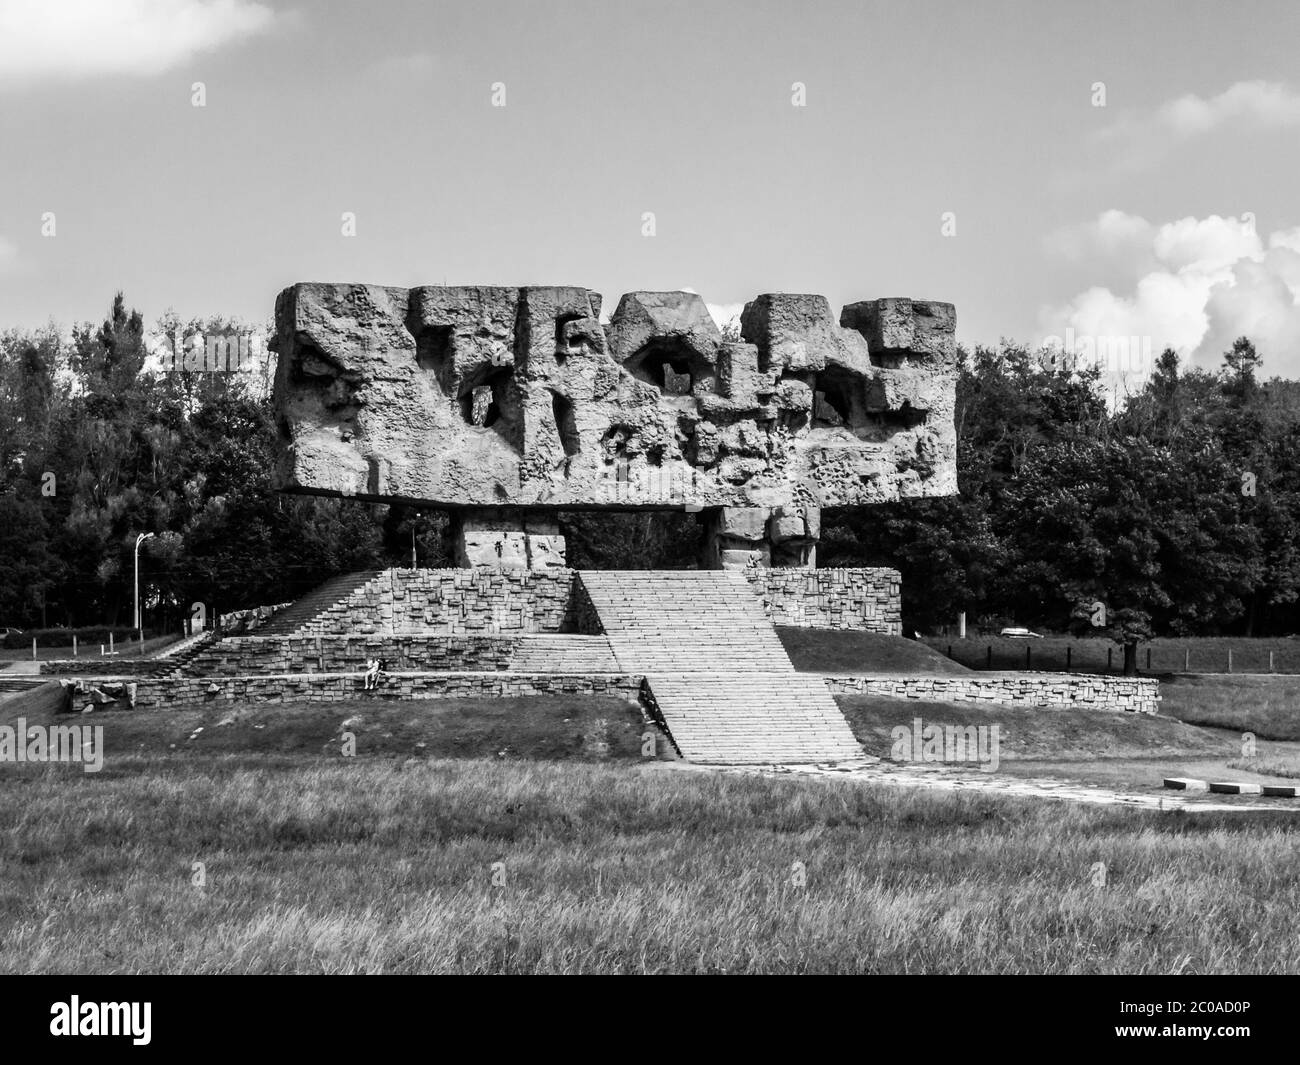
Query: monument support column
x=507 y=538
x=736 y=537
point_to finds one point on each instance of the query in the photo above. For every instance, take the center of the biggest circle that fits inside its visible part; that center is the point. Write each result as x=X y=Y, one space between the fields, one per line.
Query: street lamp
x=139 y=624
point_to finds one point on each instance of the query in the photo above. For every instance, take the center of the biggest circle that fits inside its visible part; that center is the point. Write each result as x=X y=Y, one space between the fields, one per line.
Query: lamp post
x=139 y=623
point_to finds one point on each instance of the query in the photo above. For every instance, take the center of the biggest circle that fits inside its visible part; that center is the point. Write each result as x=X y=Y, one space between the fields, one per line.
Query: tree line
x=1176 y=511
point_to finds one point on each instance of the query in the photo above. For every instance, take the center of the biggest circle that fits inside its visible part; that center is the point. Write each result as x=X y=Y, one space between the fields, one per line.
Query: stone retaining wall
x=244 y=621
x=485 y=601
x=867 y=598
x=189 y=693
x=100 y=666
x=1053 y=691
x=242 y=655
x=454 y=602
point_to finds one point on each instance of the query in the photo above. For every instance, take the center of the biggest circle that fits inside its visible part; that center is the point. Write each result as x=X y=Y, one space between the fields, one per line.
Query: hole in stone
x=561 y=343
x=433 y=347
x=481 y=404
x=614 y=442
x=562 y=409
x=669 y=364
x=832 y=398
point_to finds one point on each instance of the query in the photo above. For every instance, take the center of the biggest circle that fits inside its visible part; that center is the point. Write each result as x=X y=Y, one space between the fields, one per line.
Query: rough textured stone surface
x=488 y=396
x=520 y=541
x=1046 y=690
x=250 y=655
x=454 y=601
x=869 y=598
x=189 y=693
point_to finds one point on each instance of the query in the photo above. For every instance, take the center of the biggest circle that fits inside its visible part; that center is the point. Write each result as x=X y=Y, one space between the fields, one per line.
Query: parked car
x=7 y=631
x=1020 y=634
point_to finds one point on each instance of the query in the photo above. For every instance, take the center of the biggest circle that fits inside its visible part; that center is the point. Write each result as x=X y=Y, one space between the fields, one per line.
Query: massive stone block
x=519 y=397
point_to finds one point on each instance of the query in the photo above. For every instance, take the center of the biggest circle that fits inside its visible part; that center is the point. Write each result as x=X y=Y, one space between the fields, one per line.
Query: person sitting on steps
x=371 y=676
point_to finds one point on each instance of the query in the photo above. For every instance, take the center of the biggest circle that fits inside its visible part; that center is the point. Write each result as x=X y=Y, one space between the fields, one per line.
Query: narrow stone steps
x=293 y=619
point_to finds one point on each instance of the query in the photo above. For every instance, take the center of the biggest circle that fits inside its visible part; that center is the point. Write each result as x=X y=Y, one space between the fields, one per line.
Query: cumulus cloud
x=1203 y=283
x=1139 y=139
x=722 y=313
x=68 y=40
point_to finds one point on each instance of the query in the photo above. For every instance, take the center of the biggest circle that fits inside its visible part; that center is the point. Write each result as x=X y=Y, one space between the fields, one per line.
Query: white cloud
x=1204 y=283
x=722 y=313
x=1114 y=244
x=67 y=40
x=1139 y=139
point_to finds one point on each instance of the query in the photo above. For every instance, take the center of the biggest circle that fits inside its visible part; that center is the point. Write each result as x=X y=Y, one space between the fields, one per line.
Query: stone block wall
x=455 y=602
x=1055 y=691
x=237 y=622
x=99 y=666
x=191 y=693
x=869 y=598
x=241 y=655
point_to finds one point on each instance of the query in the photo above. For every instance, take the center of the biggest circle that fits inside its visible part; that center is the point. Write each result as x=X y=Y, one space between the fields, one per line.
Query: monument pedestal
x=508 y=539
x=736 y=537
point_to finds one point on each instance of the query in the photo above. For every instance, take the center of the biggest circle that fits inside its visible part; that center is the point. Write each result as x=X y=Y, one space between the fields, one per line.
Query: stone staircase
x=174 y=660
x=562 y=653
x=312 y=606
x=715 y=668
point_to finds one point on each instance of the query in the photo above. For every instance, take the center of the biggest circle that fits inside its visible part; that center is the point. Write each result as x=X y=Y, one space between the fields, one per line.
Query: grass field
x=1168 y=655
x=376 y=865
x=852 y=651
x=543 y=727
x=1132 y=753
x=125 y=649
x=1028 y=733
x=508 y=836
x=1267 y=706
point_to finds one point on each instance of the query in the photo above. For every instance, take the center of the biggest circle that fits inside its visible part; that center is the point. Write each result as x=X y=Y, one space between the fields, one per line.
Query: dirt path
x=942 y=778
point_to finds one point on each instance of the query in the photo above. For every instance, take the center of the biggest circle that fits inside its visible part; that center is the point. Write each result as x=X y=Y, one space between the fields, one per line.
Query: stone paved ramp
x=974 y=782
x=716 y=669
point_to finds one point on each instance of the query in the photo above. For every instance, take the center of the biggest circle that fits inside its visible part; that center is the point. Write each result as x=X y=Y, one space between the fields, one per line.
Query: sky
x=1054 y=169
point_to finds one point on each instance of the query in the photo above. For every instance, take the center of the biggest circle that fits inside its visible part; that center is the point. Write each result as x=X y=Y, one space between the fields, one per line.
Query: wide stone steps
x=753 y=717
x=716 y=671
x=687 y=620
x=546 y=653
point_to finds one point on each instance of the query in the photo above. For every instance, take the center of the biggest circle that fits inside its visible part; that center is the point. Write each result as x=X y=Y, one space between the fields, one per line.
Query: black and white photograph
x=651 y=487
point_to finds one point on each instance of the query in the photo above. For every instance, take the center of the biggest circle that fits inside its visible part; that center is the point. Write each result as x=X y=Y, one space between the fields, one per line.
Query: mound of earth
x=852 y=651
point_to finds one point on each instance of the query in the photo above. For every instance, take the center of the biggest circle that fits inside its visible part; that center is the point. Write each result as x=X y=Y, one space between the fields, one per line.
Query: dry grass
x=1201 y=654
x=1266 y=706
x=1075 y=735
x=543 y=727
x=380 y=865
x=853 y=651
